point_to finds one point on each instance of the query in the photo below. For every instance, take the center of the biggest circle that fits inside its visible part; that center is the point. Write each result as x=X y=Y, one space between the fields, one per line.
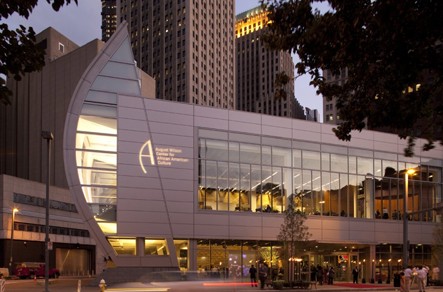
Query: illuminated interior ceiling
x=97 y=124
x=108 y=227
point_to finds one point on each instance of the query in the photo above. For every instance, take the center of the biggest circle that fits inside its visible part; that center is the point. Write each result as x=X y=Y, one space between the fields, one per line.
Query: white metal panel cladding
x=158 y=169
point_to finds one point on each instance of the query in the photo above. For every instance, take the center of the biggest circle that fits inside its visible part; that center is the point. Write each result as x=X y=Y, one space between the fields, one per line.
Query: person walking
x=422 y=275
x=407 y=278
x=253 y=276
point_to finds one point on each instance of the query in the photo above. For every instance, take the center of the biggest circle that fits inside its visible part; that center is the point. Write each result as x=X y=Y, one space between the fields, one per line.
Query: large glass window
x=123 y=245
x=96 y=157
x=327 y=184
x=156 y=247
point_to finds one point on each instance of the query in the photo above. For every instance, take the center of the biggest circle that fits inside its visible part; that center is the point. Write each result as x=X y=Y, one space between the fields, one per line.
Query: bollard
x=102 y=285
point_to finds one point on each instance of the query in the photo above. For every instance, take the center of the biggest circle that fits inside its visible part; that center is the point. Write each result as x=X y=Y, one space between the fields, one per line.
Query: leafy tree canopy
x=392 y=50
x=19 y=53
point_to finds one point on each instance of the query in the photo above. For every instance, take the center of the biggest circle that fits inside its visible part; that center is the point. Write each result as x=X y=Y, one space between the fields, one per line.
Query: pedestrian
x=355 y=275
x=331 y=274
x=262 y=274
x=313 y=274
x=320 y=274
x=408 y=278
x=422 y=275
x=253 y=275
x=402 y=282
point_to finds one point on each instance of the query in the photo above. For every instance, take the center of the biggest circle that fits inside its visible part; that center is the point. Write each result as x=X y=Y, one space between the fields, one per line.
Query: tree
x=392 y=50
x=293 y=232
x=19 y=53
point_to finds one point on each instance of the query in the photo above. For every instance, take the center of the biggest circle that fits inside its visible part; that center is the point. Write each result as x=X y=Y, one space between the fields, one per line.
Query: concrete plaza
x=65 y=284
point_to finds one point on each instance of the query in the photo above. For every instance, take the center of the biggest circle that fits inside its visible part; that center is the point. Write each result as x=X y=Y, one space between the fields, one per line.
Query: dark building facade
x=257 y=69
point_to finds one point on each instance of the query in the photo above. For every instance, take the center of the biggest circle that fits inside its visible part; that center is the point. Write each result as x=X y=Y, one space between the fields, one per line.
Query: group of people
x=263 y=271
x=417 y=274
x=322 y=274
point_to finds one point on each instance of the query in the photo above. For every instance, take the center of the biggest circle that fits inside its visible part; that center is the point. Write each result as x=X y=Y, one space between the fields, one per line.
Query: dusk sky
x=82 y=24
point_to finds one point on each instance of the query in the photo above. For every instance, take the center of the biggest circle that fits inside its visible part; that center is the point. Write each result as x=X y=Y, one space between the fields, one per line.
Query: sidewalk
x=65 y=284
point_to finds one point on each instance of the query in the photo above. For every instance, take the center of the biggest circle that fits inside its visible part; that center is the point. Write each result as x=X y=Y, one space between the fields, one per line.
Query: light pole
x=48 y=136
x=291 y=270
x=388 y=280
x=14 y=210
x=405 y=219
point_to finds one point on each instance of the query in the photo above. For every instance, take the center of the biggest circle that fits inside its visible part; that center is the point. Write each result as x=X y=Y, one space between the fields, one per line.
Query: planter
x=278 y=285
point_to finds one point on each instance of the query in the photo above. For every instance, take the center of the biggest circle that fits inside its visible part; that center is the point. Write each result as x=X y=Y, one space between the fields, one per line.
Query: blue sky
x=82 y=24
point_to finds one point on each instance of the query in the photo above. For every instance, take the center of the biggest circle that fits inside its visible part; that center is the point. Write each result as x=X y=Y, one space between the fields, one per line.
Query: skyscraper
x=187 y=46
x=109 y=19
x=330 y=112
x=258 y=67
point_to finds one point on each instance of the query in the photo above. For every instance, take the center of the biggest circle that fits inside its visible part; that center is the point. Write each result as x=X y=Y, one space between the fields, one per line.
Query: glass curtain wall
x=96 y=155
x=246 y=177
x=233 y=258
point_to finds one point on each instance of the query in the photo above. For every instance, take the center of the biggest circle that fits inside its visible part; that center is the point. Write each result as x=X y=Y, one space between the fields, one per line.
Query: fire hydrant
x=102 y=285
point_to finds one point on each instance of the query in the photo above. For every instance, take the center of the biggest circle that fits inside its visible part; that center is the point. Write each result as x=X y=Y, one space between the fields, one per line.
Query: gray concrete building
x=257 y=68
x=186 y=46
x=330 y=113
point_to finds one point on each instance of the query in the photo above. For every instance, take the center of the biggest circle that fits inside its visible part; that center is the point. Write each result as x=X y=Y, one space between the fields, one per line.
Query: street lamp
x=48 y=136
x=405 y=219
x=14 y=210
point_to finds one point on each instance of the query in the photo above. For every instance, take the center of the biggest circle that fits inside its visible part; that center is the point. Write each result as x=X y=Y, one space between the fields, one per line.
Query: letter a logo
x=146 y=151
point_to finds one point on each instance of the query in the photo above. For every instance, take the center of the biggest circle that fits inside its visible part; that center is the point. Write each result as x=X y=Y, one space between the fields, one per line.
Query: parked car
x=29 y=270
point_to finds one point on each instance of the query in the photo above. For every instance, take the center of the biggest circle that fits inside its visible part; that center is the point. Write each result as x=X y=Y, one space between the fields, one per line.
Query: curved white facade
x=137 y=173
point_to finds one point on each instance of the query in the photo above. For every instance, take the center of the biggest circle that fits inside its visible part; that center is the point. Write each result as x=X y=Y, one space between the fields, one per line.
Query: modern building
x=258 y=68
x=186 y=46
x=167 y=185
x=40 y=103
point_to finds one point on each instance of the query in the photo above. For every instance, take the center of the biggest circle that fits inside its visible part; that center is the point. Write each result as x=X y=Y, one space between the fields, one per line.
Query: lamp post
x=373 y=271
x=405 y=219
x=362 y=271
x=14 y=210
x=388 y=280
x=48 y=136
x=291 y=270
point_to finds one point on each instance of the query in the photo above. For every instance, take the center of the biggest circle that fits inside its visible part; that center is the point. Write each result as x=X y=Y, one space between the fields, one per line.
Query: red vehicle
x=29 y=270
